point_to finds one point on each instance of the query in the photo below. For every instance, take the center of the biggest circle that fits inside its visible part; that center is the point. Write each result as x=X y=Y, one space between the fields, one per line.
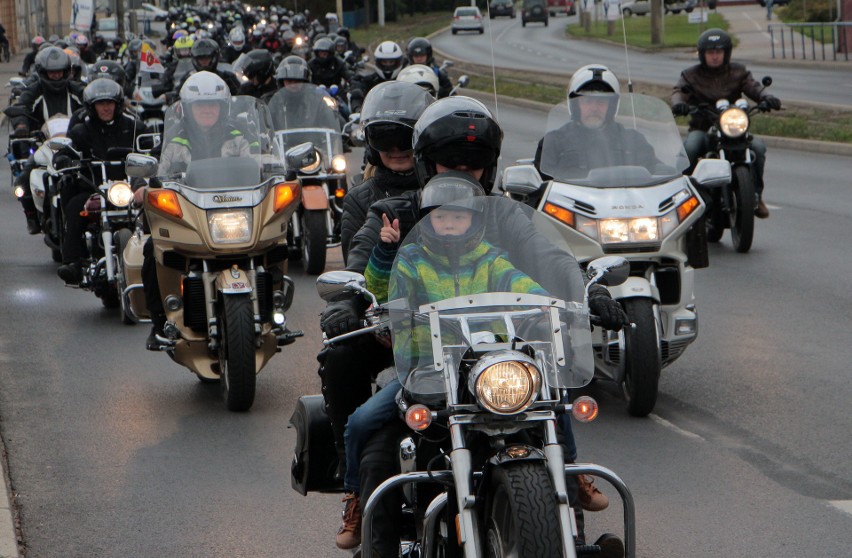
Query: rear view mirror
x=58 y=143
x=333 y=284
x=464 y=81
x=608 y=270
x=712 y=173
x=521 y=180
x=140 y=166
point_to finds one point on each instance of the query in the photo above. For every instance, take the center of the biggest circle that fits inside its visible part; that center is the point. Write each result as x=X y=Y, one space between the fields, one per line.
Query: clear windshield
x=218 y=144
x=493 y=287
x=639 y=146
x=303 y=113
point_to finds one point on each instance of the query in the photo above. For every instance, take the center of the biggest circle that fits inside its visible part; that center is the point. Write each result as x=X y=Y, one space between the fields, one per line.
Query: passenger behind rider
x=592 y=138
x=716 y=77
x=206 y=132
x=105 y=126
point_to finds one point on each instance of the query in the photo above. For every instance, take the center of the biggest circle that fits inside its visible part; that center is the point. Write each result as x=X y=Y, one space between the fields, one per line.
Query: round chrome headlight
x=505 y=382
x=120 y=194
x=733 y=122
x=313 y=167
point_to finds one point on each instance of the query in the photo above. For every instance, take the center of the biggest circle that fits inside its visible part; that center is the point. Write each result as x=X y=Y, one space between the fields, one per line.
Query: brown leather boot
x=761 y=211
x=349 y=534
x=591 y=499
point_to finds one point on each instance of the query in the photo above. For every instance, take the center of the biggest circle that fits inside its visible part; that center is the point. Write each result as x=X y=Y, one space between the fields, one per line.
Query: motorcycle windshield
x=503 y=283
x=631 y=140
x=303 y=113
x=218 y=143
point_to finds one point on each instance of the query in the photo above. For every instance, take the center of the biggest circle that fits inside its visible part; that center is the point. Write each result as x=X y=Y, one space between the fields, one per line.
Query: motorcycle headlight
x=505 y=382
x=733 y=122
x=641 y=229
x=313 y=167
x=338 y=163
x=120 y=194
x=230 y=226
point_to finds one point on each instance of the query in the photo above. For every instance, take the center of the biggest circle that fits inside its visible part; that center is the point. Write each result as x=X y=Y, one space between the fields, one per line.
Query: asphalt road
x=506 y=44
x=115 y=452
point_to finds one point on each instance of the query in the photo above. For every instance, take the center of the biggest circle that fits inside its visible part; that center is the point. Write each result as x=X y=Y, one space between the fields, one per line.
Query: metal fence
x=811 y=41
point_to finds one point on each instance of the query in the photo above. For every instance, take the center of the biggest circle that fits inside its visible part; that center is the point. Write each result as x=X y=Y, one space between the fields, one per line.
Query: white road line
x=842 y=505
x=756 y=25
x=660 y=420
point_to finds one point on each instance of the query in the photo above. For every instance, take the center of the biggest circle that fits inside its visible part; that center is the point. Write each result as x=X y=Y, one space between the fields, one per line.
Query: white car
x=150 y=12
x=467 y=18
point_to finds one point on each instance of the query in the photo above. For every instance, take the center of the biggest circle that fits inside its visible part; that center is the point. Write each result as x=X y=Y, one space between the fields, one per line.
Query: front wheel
x=314 y=237
x=122 y=237
x=522 y=514
x=642 y=357
x=742 y=209
x=236 y=352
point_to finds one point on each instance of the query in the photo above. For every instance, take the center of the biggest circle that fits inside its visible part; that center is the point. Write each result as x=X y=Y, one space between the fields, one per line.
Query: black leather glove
x=610 y=312
x=771 y=101
x=680 y=109
x=62 y=161
x=343 y=316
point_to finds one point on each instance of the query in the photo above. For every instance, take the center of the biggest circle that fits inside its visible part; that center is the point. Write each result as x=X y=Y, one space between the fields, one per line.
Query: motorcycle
x=484 y=378
x=220 y=244
x=648 y=214
x=732 y=206
x=307 y=117
x=148 y=108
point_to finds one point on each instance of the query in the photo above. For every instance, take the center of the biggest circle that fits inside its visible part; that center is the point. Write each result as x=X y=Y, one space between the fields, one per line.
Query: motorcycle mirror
x=712 y=173
x=58 y=143
x=355 y=117
x=464 y=81
x=140 y=166
x=447 y=64
x=301 y=156
x=332 y=284
x=766 y=81
x=521 y=180
x=16 y=81
x=608 y=271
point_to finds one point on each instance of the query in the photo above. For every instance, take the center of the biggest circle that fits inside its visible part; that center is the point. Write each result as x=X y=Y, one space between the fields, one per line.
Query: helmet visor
x=384 y=137
x=462 y=154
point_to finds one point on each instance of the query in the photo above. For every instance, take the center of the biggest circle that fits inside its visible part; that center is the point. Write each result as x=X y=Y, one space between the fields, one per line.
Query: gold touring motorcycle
x=220 y=242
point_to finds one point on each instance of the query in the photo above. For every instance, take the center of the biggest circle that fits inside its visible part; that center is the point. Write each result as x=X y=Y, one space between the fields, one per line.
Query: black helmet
x=452 y=191
x=388 y=115
x=293 y=68
x=205 y=48
x=419 y=46
x=343 y=32
x=103 y=89
x=714 y=39
x=324 y=45
x=457 y=131
x=134 y=47
x=53 y=59
x=257 y=64
x=108 y=69
x=341 y=45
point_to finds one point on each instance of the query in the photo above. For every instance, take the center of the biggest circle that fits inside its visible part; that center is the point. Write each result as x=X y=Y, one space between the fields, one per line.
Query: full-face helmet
x=388 y=115
x=388 y=57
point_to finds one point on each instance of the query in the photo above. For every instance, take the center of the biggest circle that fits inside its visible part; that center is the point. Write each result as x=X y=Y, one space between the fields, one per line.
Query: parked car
x=534 y=10
x=567 y=7
x=501 y=8
x=150 y=12
x=467 y=18
x=642 y=7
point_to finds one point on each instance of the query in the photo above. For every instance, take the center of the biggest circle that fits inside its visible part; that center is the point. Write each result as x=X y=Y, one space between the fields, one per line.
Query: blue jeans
x=363 y=423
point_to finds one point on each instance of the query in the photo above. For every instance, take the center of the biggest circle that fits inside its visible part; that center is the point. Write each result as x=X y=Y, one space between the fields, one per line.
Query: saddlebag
x=315 y=457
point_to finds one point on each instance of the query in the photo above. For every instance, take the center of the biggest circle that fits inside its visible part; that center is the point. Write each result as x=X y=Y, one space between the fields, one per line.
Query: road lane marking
x=663 y=422
x=842 y=505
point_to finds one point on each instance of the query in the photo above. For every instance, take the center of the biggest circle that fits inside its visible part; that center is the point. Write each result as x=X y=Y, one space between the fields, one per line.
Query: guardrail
x=812 y=40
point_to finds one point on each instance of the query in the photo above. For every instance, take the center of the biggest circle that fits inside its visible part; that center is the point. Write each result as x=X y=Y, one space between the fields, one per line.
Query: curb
x=8 y=536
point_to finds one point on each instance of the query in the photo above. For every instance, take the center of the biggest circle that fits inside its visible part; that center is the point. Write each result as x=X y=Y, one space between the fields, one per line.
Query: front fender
x=635 y=287
x=314 y=197
x=233 y=281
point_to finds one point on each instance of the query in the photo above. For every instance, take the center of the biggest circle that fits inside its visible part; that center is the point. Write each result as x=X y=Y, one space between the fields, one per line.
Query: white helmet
x=594 y=79
x=237 y=38
x=204 y=86
x=388 y=57
x=422 y=75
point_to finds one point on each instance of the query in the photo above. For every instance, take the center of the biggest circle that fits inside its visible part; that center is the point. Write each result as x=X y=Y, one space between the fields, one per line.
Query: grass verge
x=401 y=31
x=677 y=31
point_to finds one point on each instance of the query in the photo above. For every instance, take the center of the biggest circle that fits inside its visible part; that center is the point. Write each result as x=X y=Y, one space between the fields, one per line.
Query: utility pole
x=656 y=22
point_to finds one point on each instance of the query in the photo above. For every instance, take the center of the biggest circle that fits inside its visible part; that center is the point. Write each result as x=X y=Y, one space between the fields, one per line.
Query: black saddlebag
x=315 y=457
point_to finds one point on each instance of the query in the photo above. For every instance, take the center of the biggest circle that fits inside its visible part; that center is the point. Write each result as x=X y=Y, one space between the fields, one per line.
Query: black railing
x=811 y=41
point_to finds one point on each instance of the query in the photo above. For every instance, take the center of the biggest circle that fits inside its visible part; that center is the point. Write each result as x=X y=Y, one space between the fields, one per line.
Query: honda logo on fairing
x=226 y=199
x=628 y=207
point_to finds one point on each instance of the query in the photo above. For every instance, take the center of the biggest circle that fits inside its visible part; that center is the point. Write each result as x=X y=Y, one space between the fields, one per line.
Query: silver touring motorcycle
x=485 y=376
x=629 y=198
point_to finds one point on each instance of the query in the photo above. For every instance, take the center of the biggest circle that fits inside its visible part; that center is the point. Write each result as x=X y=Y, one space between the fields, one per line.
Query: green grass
x=677 y=31
x=402 y=30
x=551 y=94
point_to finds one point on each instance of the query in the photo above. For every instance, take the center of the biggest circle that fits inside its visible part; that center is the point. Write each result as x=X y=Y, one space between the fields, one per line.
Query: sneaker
x=761 y=211
x=591 y=499
x=33 y=226
x=71 y=273
x=349 y=534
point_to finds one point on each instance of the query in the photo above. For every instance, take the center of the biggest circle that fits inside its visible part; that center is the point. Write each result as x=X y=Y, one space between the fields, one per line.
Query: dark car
x=534 y=10
x=501 y=8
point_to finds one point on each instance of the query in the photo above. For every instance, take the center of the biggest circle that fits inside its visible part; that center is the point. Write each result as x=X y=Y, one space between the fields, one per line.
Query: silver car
x=467 y=18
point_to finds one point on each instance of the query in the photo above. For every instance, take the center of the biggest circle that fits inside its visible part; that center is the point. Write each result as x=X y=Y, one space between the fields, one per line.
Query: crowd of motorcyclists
x=413 y=131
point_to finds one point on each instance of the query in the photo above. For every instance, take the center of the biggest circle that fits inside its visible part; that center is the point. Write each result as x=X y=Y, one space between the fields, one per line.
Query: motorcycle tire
x=236 y=352
x=122 y=237
x=715 y=220
x=643 y=362
x=743 y=202
x=314 y=237
x=522 y=514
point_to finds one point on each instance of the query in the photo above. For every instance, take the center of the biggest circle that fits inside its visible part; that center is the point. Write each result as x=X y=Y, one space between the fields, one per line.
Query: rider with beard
x=592 y=139
x=205 y=102
x=714 y=78
x=419 y=51
x=326 y=68
x=104 y=126
x=389 y=60
x=257 y=65
x=52 y=93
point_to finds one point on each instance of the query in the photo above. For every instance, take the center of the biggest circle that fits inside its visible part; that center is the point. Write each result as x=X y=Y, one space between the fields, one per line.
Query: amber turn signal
x=687 y=207
x=559 y=213
x=165 y=201
x=585 y=409
x=418 y=417
x=284 y=195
